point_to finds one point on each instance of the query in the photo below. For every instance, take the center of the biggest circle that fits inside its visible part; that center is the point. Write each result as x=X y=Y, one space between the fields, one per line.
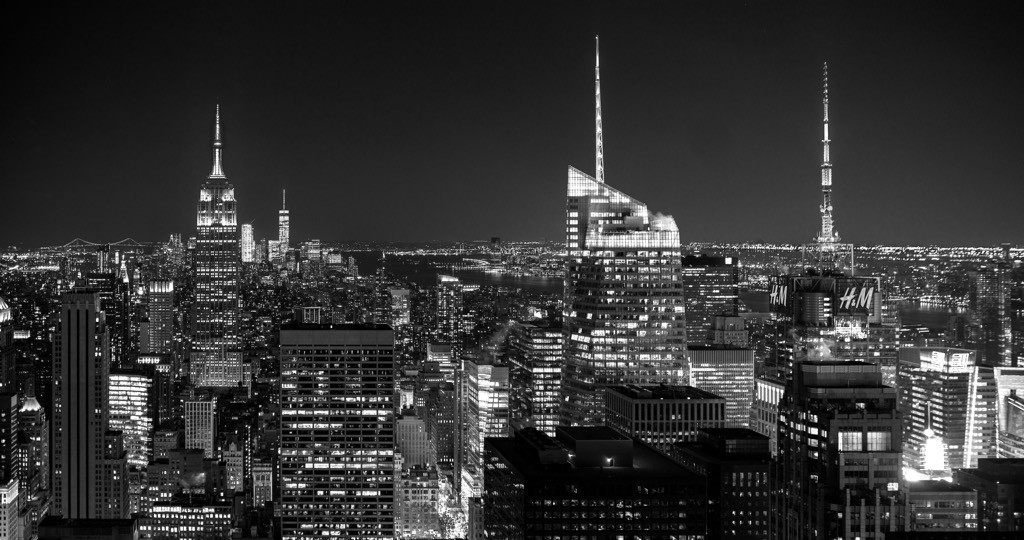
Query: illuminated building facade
x=624 y=301
x=201 y=425
x=948 y=403
x=838 y=469
x=337 y=454
x=10 y=469
x=486 y=415
x=89 y=462
x=764 y=411
x=938 y=506
x=727 y=373
x=990 y=299
x=284 y=227
x=624 y=307
x=130 y=412
x=710 y=289
x=662 y=415
x=589 y=483
x=450 y=330
x=35 y=460
x=215 y=357
x=400 y=307
x=535 y=359
x=187 y=519
x=248 y=244
x=160 y=294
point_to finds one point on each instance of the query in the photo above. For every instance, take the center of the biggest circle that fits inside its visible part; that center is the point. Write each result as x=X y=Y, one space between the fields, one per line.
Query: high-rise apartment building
x=535 y=360
x=624 y=306
x=710 y=286
x=216 y=358
x=337 y=431
x=948 y=403
x=89 y=468
x=838 y=469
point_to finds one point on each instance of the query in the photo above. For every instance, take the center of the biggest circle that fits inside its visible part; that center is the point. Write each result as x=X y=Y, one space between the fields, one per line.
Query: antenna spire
x=828 y=234
x=218 y=168
x=599 y=150
x=282 y=199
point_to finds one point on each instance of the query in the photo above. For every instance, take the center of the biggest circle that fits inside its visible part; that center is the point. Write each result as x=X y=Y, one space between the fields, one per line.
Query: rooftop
x=662 y=392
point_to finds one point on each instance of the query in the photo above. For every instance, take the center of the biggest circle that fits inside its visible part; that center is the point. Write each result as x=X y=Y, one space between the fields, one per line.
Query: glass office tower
x=624 y=310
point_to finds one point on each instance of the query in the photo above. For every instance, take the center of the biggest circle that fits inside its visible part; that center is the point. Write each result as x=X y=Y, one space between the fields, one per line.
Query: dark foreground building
x=589 y=483
x=735 y=464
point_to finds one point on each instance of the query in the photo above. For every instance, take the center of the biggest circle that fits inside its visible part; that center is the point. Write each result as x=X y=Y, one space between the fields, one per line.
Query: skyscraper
x=337 y=431
x=283 y=229
x=7 y=353
x=89 y=468
x=10 y=468
x=486 y=415
x=130 y=412
x=201 y=425
x=838 y=469
x=824 y=311
x=215 y=358
x=536 y=369
x=161 y=317
x=710 y=289
x=726 y=372
x=949 y=412
x=624 y=307
x=449 y=314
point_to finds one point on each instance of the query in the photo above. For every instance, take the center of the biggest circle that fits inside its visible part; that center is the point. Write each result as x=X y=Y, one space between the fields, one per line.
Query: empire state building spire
x=218 y=168
x=828 y=234
x=599 y=150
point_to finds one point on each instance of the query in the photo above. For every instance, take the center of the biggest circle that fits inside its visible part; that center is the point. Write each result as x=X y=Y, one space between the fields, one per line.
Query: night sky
x=457 y=121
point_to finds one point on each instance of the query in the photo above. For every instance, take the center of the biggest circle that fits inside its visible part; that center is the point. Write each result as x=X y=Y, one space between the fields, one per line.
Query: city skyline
x=699 y=101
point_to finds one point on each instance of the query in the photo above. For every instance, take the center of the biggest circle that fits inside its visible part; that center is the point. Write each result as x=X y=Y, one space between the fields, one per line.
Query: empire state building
x=216 y=357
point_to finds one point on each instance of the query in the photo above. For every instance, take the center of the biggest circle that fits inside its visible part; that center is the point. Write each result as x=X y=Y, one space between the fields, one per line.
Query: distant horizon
x=297 y=243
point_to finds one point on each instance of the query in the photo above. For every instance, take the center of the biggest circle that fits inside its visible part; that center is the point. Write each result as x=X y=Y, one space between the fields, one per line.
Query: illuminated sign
x=779 y=295
x=858 y=297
